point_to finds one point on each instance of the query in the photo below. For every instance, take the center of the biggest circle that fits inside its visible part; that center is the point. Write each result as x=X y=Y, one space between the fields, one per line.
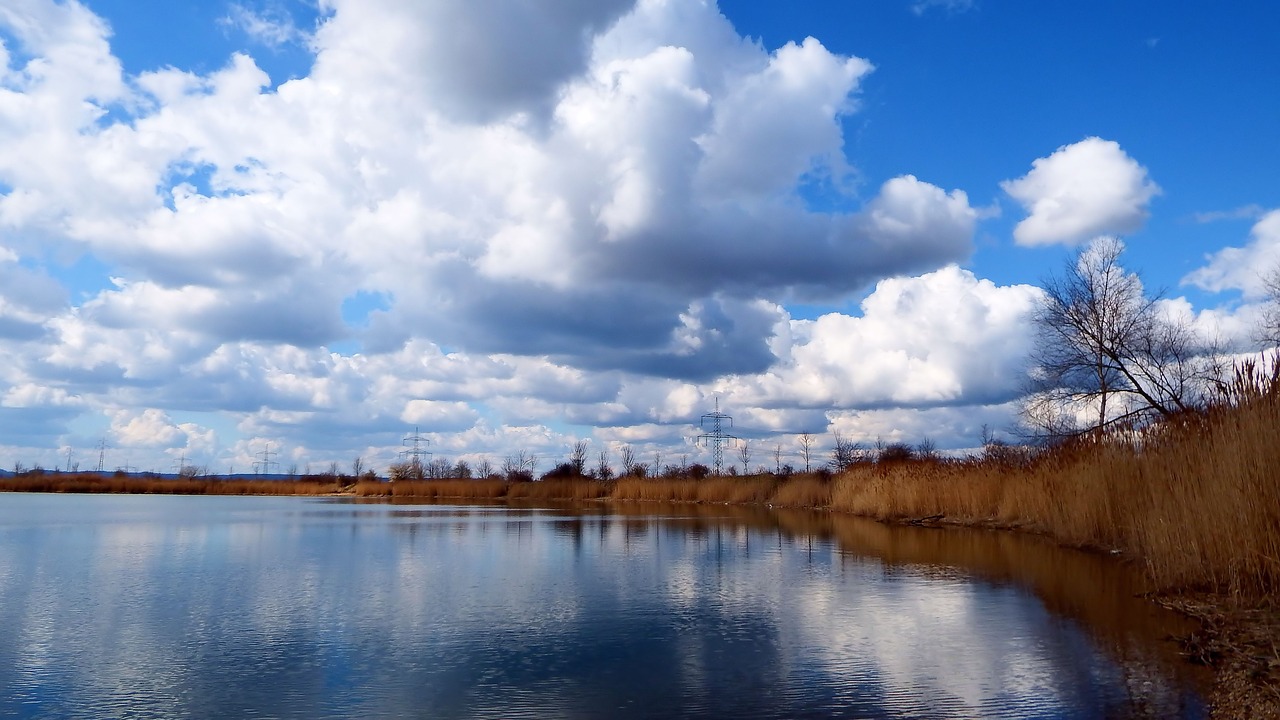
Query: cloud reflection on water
x=181 y=607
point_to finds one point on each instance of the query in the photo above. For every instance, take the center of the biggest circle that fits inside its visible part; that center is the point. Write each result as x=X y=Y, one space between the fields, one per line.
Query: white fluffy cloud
x=578 y=211
x=1243 y=268
x=942 y=338
x=1079 y=192
x=151 y=427
x=646 y=161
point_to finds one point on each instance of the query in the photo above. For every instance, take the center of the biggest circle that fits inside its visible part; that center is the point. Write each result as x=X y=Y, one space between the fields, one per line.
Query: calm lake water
x=194 y=607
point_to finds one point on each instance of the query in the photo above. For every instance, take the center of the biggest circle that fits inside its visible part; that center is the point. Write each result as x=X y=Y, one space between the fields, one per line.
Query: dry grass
x=571 y=489
x=804 y=491
x=756 y=489
x=657 y=490
x=491 y=489
x=432 y=489
x=93 y=483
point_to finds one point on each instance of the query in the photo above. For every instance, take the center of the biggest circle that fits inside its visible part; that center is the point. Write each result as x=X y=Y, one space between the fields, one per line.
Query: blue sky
x=228 y=224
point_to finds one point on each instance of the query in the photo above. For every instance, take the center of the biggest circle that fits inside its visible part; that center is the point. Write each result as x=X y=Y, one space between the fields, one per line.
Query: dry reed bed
x=91 y=483
x=1197 y=501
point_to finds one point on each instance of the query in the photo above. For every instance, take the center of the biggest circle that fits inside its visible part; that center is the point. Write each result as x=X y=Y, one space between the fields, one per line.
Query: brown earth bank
x=1194 y=502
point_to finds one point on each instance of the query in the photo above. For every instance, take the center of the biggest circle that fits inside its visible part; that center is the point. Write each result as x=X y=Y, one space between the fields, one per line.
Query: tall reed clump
x=431 y=489
x=657 y=489
x=1212 y=491
x=95 y=483
x=1195 y=498
x=566 y=489
x=736 y=490
x=803 y=491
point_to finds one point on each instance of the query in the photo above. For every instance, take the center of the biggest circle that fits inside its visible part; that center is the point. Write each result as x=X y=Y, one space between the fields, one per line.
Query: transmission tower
x=102 y=454
x=714 y=435
x=413 y=445
x=266 y=462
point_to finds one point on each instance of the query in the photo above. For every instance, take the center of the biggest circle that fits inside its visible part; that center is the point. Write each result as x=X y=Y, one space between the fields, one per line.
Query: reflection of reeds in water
x=1078 y=584
x=1103 y=595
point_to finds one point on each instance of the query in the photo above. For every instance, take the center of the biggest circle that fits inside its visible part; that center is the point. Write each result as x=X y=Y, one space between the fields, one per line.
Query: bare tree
x=777 y=459
x=630 y=465
x=603 y=471
x=578 y=458
x=1268 y=331
x=844 y=453
x=744 y=454
x=484 y=468
x=1105 y=351
x=357 y=467
x=404 y=471
x=806 y=450
x=522 y=464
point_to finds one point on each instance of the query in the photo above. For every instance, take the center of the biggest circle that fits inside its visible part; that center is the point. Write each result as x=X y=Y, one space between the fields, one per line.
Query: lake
x=195 y=607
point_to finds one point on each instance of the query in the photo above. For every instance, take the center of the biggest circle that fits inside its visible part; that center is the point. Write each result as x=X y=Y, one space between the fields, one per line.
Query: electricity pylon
x=415 y=443
x=713 y=435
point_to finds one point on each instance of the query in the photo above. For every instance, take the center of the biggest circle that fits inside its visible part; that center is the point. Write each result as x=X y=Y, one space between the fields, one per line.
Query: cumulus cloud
x=478 y=60
x=664 y=171
x=150 y=428
x=1243 y=268
x=942 y=338
x=585 y=210
x=1079 y=192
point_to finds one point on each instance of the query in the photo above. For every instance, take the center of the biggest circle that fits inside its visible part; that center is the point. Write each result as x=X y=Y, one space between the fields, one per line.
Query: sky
x=314 y=228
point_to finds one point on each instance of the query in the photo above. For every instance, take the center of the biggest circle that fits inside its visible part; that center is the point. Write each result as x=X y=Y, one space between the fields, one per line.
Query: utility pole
x=714 y=435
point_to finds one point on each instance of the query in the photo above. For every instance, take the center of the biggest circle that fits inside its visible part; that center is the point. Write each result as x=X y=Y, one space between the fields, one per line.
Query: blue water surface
x=196 y=607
